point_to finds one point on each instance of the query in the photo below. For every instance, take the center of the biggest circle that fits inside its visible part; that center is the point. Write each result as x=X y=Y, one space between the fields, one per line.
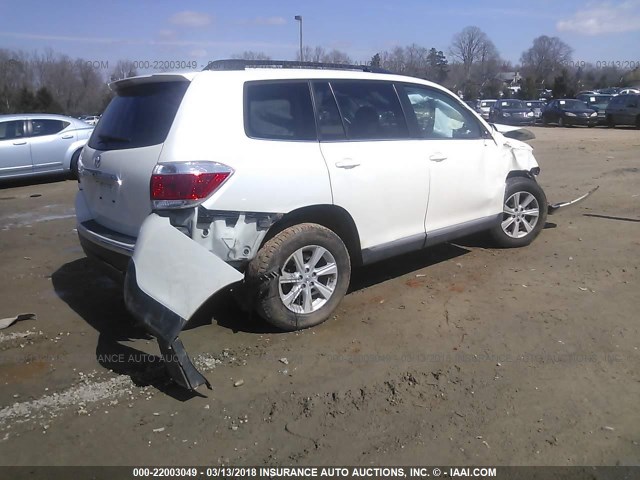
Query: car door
x=467 y=180
x=15 y=151
x=50 y=140
x=375 y=173
x=630 y=109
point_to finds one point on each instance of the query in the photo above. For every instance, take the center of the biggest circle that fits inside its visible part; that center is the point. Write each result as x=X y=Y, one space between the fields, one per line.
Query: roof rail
x=240 y=64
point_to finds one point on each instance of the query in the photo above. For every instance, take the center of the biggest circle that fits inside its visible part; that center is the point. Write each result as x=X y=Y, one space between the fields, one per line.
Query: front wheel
x=299 y=276
x=561 y=122
x=524 y=213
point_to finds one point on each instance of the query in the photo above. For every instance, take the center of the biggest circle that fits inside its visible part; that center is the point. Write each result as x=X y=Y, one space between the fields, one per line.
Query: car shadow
x=35 y=180
x=237 y=314
x=98 y=299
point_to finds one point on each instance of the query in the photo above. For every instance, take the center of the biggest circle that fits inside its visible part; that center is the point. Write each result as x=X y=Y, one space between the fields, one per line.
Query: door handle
x=23 y=142
x=437 y=157
x=347 y=163
x=67 y=136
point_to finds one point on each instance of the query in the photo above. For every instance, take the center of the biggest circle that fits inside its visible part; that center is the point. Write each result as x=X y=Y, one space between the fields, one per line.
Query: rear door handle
x=437 y=157
x=347 y=163
x=23 y=142
x=67 y=136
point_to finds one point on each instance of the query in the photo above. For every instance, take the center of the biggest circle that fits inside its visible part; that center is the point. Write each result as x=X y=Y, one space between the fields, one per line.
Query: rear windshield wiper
x=110 y=138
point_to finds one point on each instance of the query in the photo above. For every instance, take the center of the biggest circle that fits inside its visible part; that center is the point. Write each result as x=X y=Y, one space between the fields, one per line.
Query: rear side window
x=370 y=110
x=47 y=127
x=139 y=116
x=12 y=129
x=279 y=111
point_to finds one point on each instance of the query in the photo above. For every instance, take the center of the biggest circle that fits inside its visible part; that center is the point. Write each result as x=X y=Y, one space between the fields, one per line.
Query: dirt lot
x=458 y=355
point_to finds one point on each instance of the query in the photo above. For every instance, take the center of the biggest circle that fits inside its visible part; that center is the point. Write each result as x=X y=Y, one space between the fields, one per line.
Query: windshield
x=535 y=104
x=571 y=104
x=139 y=116
x=512 y=104
x=487 y=103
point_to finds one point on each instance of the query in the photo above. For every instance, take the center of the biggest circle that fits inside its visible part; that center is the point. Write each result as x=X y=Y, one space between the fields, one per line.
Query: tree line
x=472 y=66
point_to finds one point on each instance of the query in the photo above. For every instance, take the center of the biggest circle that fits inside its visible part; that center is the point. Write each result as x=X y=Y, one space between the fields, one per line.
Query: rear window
x=139 y=116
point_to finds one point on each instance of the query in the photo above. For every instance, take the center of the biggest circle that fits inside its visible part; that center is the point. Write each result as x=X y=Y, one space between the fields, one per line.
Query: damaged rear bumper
x=168 y=278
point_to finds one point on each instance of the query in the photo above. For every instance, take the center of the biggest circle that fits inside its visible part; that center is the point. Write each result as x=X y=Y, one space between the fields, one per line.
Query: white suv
x=284 y=179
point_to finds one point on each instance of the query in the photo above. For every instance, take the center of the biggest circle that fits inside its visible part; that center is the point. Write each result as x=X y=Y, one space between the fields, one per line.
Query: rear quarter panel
x=269 y=175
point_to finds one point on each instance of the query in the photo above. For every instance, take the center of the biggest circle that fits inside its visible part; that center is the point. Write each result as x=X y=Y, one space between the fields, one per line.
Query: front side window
x=279 y=111
x=440 y=116
x=11 y=130
x=370 y=110
x=41 y=127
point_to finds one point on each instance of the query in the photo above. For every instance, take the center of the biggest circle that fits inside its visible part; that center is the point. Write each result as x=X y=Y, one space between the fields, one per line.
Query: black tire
x=561 y=122
x=638 y=122
x=610 y=122
x=273 y=260
x=73 y=164
x=515 y=185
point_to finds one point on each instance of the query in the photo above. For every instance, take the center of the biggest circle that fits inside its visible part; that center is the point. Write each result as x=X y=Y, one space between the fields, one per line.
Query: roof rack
x=240 y=64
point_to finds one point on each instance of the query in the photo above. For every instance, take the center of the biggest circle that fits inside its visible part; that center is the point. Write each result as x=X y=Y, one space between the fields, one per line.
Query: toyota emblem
x=97 y=161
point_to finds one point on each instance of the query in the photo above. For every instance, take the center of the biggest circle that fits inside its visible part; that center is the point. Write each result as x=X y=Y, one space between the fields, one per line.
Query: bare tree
x=336 y=56
x=473 y=46
x=251 y=55
x=123 y=69
x=547 y=56
x=319 y=55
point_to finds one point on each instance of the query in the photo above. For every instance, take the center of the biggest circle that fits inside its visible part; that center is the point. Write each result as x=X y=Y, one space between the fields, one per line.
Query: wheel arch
x=333 y=217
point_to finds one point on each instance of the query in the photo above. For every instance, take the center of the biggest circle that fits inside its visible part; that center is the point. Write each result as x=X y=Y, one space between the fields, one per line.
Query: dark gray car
x=623 y=110
x=33 y=144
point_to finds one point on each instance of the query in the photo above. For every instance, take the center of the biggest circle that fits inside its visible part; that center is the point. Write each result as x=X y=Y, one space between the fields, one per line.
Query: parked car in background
x=511 y=112
x=569 y=112
x=90 y=119
x=484 y=107
x=536 y=106
x=628 y=90
x=609 y=90
x=598 y=103
x=586 y=92
x=34 y=144
x=623 y=110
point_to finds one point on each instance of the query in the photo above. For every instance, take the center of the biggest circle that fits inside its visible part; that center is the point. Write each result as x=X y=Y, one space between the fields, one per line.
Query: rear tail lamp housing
x=186 y=184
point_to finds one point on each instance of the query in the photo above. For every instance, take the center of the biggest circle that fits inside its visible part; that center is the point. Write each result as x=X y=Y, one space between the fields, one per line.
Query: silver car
x=34 y=144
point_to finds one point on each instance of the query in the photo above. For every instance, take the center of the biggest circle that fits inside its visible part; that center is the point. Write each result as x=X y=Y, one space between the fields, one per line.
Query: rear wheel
x=610 y=122
x=561 y=122
x=73 y=165
x=299 y=276
x=638 y=121
x=524 y=213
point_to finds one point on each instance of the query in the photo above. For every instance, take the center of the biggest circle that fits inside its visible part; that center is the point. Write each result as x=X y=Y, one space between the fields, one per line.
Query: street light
x=299 y=19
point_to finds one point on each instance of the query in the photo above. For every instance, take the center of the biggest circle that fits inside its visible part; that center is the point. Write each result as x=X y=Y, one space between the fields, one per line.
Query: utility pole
x=299 y=19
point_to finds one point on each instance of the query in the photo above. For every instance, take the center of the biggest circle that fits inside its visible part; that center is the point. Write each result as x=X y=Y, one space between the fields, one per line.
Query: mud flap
x=168 y=278
x=553 y=208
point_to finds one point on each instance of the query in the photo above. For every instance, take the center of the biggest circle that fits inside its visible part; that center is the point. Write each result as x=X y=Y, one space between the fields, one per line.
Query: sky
x=204 y=30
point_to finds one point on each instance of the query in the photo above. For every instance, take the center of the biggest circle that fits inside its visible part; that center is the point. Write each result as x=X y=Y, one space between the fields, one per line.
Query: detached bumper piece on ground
x=163 y=262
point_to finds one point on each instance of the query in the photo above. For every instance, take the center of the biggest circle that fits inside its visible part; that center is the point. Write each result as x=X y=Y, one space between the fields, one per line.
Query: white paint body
x=394 y=190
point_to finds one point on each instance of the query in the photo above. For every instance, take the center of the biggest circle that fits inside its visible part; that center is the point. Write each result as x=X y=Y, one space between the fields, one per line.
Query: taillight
x=184 y=184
